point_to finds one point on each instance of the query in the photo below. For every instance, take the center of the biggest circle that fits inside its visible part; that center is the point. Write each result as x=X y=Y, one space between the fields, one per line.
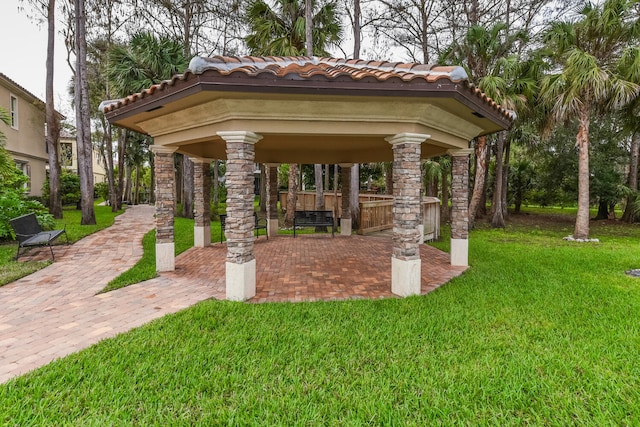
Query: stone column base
x=406 y=276
x=460 y=252
x=165 y=257
x=201 y=236
x=345 y=226
x=272 y=227
x=241 y=280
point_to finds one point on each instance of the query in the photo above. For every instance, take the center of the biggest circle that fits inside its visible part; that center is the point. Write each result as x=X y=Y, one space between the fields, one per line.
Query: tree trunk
x=123 y=136
x=445 y=214
x=263 y=188
x=187 y=191
x=388 y=178
x=127 y=187
x=327 y=176
x=632 y=179
x=581 y=230
x=308 y=27
x=354 y=197
x=216 y=182
x=603 y=210
x=292 y=195
x=481 y=170
x=178 y=183
x=152 y=190
x=505 y=177
x=356 y=28
x=83 y=136
x=482 y=208
x=53 y=124
x=136 y=194
x=319 y=193
x=497 y=221
x=108 y=162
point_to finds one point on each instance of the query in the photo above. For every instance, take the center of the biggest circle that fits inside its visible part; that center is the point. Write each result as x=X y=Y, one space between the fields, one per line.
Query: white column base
x=345 y=226
x=165 y=257
x=460 y=252
x=201 y=236
x=406 y=276
x=241 y=280
x=272 y=227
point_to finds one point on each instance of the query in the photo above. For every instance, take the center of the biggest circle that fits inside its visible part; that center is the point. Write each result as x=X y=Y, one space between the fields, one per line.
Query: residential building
x=68 y=152
x=26 y=132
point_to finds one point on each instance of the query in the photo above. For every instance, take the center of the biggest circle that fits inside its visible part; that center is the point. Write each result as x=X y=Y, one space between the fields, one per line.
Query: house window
x=66 y=155
x=14 y=112
x=25 y=168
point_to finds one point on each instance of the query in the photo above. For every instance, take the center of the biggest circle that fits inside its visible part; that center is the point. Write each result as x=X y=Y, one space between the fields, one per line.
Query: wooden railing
x=375 y=216
x=376 y=211
x=307 y=200
x=378 y=216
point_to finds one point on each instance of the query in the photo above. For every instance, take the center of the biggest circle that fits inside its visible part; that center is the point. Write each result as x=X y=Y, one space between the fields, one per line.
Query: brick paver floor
x=57 y=311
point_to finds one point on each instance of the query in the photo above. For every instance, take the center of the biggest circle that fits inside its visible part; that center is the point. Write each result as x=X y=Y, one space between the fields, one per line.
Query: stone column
x=201 y=202
x=407 y=185
x=460 y=206
x=272 y=198
x=345 y=216
x=165 y=206
x=241 y=262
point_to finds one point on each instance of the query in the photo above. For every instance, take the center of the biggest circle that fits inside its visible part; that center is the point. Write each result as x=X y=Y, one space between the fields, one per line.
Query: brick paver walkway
x=55 y=311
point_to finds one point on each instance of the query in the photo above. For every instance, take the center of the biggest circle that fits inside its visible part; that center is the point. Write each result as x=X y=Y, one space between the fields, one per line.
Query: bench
x=257 y=226
x=30 y=234
x=313 y=219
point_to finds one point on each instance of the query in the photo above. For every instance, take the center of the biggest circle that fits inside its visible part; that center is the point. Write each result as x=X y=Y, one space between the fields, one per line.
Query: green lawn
x=11 y=270
x=538 y=332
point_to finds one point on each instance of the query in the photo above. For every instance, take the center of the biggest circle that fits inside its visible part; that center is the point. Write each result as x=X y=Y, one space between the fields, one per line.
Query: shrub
x=14 y=204
x=69 y=188
x=102 y=190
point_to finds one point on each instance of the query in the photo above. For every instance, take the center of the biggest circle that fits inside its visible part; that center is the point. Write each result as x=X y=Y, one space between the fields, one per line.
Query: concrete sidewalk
x=55 y=311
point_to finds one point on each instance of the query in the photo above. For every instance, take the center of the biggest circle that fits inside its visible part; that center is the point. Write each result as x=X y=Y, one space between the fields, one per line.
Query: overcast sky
x=24 y=53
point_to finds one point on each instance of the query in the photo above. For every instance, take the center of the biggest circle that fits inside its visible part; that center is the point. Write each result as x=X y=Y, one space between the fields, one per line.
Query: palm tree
x=281 y=31
x=631 y=119
x=285 y=30
x=513 y=83
x=484 y=53
x=589 y=53
x=145 y=61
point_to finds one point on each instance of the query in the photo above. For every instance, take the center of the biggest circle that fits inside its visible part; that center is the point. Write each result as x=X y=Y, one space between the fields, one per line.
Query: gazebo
x=274 y=110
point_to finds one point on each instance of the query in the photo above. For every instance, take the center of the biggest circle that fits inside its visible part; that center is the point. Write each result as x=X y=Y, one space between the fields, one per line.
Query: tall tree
x=83 y=122
x=482 y=53
x=281 y=30
x=513 y=83
x=588 y=52
x=631 y=119
x=46 y=9
x=143 y=62
x=292 y=29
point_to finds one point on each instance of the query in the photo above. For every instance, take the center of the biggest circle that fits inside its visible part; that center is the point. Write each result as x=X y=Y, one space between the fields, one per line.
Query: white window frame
x=25 y=168
x=13 y=107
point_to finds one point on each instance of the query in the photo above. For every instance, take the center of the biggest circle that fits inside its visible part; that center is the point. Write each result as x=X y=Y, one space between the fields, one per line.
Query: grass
x=11 y=270
x=539 y=331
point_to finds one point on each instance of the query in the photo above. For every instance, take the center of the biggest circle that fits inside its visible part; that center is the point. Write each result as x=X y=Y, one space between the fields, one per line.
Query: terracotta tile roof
x=314 y=69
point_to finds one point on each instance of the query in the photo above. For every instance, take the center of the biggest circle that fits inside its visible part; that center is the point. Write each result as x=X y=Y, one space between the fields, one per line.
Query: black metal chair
x=258 y=226
x=29 y=233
